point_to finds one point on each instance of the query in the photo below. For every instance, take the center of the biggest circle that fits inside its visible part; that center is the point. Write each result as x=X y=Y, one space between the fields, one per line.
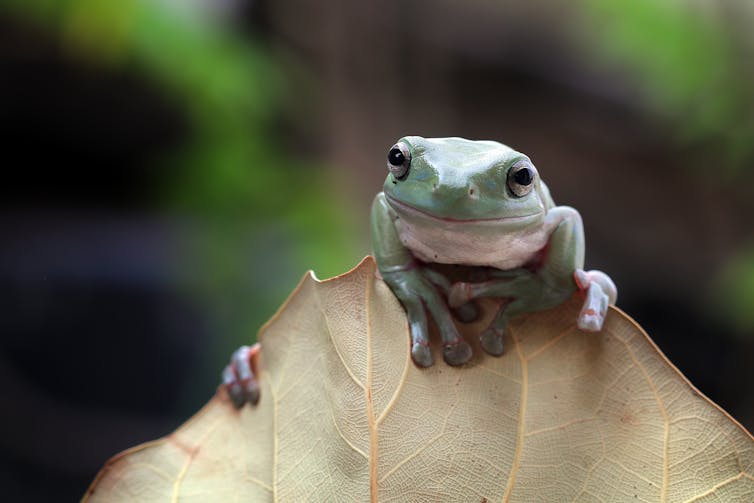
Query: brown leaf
x=563 y=415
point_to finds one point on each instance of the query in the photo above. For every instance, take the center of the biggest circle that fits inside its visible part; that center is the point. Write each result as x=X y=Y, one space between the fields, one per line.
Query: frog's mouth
x=411 y=211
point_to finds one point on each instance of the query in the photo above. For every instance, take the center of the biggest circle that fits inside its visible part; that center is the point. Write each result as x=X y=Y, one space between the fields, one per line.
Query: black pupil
x=523 y=176
x=396 y=157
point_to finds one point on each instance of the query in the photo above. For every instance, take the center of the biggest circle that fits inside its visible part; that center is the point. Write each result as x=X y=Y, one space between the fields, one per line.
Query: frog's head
x=454 y=179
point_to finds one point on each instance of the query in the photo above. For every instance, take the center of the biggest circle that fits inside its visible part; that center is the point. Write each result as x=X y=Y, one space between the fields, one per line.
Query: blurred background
x=171 y=168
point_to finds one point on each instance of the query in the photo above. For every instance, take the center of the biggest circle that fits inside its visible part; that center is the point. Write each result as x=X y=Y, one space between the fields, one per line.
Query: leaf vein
x=191 y=457
x=373 y=452
x=397 y=391
x=663 y=413
x=335 y=345
x=549 y=344
x=258 y=482
x=521 y=417
x=340 y=432
x=560 y=426
x=717 y=486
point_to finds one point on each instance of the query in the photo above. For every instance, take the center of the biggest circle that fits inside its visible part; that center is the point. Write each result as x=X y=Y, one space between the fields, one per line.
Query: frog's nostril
x=473 y=192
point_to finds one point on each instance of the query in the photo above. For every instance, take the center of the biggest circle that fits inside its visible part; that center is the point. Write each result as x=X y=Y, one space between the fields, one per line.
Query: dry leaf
x=345 y=416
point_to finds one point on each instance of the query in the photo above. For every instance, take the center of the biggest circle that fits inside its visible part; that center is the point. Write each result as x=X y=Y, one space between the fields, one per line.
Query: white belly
x=503 y=244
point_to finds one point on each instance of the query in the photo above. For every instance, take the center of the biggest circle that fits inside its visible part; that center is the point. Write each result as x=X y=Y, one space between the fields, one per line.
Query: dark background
x=171 y=169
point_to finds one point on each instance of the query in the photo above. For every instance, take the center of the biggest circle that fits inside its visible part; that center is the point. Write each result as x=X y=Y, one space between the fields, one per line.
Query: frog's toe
x=593 y=312
x=466 y=313
x=235 y=392
x=251 y=390
x=459 y=294
x=458 y=353
x=590 y=320
x=239 y=379
x=422 y=355
x=492 y=341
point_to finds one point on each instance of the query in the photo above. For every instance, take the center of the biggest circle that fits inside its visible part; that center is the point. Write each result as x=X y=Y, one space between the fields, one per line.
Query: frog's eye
x=399 y=160
x=521 y=178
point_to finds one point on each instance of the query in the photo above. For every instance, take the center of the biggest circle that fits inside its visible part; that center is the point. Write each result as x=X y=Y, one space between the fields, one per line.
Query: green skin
x=458 y=203
x=455 y=205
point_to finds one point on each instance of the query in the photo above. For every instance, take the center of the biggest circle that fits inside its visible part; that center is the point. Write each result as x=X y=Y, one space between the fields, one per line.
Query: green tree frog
x=481 y=207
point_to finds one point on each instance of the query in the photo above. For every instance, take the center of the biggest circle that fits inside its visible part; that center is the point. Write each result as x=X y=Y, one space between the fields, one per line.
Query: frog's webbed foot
x=600 y=292
x=239 y=378
x=492 y=340
x=457 y=353
x=492 y=337
x=417 y=324
x=421 y=354
x=420 y=295
x=454 y=354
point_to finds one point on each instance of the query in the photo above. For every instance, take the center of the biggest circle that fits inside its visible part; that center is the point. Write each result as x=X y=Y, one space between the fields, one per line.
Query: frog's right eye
x=521 y=178
x=399 y=160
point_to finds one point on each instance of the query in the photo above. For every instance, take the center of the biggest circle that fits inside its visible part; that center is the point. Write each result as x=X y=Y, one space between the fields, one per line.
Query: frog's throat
x=503 y=243
x=407 y=209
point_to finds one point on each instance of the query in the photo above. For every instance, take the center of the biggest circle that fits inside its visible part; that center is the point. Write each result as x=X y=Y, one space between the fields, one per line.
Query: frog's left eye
x=399 y=160
x=521 y=178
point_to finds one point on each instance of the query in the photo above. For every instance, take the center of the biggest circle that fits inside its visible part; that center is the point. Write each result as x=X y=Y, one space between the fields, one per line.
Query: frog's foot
x=593 y=312
x=417 y=322
x=239 y=378
x=421 y=354
x=590 y=320
x=466 y=313
x=423 y=292
x=492 y=337
x=600 y=292
x=492 y=341
x=460 y=294
x=457 y=353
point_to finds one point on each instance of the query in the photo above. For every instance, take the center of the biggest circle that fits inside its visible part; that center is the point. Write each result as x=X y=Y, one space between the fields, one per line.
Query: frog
x=482 y=208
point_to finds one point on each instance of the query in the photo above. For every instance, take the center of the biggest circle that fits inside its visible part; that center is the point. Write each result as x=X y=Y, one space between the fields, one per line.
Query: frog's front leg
x=416 y=294
x=465 y=312
x=563 y=270
x=559 y=275
x=404 y=275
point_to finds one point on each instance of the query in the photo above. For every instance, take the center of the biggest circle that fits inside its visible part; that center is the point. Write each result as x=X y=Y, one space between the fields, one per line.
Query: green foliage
x=691 y=69
x=257 y=218
x=734 y=294
x=686 y=61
